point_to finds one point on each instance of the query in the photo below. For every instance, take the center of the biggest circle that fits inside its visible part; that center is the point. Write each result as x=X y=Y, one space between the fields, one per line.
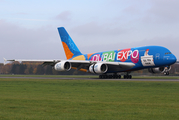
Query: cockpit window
x=168 y=53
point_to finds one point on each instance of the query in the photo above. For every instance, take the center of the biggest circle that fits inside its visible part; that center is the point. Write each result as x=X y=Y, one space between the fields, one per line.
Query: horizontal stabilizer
x=45 y=62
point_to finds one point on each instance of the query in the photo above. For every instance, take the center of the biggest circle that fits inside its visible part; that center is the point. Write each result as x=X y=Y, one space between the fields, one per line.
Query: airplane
x=109 y=64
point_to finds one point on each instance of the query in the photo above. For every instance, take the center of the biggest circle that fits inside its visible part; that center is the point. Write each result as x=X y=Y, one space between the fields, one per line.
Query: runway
x=87 y=78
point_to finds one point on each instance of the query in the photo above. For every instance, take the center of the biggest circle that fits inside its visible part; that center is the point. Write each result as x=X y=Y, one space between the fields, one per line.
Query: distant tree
x=48 y=70
x=35 y=71
x=40 y=70
x=13 y=69
x=6 y=69
x=22 y=68
x=30 y=70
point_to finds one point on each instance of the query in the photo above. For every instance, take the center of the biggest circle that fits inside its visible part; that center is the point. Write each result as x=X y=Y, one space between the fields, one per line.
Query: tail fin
x=69 y=46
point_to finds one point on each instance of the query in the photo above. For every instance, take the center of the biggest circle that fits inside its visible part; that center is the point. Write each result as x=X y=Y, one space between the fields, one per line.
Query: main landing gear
x=114 y=76
x=127 y=76
x=104 y=76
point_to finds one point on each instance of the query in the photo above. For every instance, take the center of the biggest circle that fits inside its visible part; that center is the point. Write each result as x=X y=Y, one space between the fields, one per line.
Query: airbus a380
x=109 y=64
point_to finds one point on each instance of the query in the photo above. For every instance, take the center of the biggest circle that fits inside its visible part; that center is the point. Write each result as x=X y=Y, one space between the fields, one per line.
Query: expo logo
x=96 y=58
x=124 y=54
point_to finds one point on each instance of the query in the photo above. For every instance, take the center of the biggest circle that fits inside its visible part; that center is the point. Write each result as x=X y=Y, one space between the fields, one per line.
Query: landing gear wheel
x=115 y=76
x=127 y=76
x=119 y=76
x=167 y=73
x=110 y=76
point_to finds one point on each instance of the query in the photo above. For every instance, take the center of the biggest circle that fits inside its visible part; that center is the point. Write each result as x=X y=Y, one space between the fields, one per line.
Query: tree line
x=30 y=68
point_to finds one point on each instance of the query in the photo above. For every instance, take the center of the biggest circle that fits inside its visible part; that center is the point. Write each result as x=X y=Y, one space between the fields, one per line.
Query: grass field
x=39 y=99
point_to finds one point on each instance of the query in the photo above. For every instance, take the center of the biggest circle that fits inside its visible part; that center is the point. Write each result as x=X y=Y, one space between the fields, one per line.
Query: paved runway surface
x=70 y=78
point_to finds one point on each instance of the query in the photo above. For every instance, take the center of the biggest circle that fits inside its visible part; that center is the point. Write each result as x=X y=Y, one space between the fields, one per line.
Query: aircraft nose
x=170 y=59
x=173 y=59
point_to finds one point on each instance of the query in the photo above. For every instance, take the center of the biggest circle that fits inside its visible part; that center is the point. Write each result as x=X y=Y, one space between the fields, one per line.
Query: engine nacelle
x=157 y=70
x=98 y=68
x=62 y=66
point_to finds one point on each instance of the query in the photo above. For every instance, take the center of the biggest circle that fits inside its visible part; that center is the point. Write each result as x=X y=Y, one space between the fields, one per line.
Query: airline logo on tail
x=69 y=46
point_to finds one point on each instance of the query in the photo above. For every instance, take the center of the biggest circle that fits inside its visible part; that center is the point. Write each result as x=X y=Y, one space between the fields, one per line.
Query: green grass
x=30 y=99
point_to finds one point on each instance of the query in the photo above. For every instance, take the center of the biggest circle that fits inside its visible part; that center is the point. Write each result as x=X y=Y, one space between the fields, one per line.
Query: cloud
x=38 y=20
x=163 y=11
x=93 y=33
x=97 y=29
x=131 y=10
x=14 y=33
x=120 y=24
x=21 y=43
x=64 y=16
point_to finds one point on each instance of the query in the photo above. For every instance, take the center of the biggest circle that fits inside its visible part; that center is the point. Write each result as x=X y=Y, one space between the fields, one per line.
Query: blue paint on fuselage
x=148 y=57
x=161 y=57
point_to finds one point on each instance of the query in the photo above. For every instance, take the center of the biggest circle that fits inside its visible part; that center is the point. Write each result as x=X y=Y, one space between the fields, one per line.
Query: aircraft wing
x=119 y=66
x=45 y=62
x=81 y=64
x=113 y=66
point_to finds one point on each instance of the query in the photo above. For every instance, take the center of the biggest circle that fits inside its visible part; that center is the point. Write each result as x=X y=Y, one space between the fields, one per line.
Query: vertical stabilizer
x=69 y=46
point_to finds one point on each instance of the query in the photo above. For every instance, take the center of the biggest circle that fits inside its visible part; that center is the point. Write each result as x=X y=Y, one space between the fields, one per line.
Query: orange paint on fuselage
x=68 y=53
x=89 y=55
x=80 y=57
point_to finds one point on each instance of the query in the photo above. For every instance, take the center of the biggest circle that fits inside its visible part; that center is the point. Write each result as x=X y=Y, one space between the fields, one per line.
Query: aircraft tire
x=115 y=76
x=127 y=76
x=167 y=73
x=119 y=76
x=110 y=76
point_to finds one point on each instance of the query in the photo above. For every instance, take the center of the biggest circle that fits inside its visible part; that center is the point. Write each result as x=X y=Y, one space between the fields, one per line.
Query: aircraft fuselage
x=142 y=57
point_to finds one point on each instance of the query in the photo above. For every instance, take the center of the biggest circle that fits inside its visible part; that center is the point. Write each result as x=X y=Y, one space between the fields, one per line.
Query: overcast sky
x=28 y=28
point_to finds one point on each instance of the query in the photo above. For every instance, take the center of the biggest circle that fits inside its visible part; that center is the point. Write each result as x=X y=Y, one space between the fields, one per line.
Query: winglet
x=5 y=61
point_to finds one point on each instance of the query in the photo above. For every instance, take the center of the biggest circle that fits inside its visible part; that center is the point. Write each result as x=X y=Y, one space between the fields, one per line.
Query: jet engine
x=98 y=68
x=62 y=66
x=157 y=70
